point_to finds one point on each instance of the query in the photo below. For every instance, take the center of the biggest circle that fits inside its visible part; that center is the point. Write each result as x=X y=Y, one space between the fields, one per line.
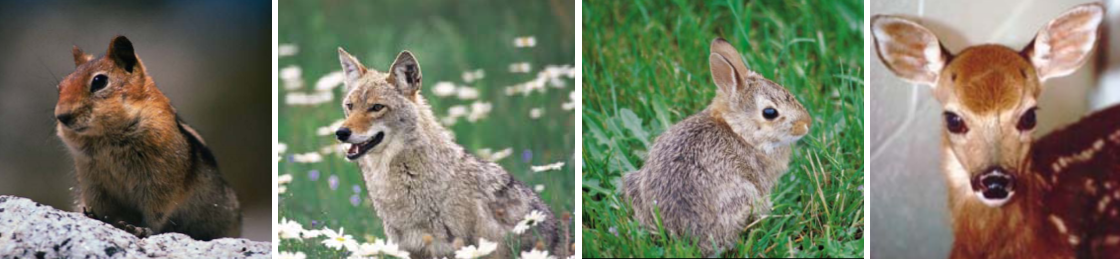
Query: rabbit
x=711 y=174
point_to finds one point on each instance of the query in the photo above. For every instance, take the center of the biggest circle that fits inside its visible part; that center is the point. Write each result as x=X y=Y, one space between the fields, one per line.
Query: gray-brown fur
x=431 y=195
x=140 y=167
x=710 y=175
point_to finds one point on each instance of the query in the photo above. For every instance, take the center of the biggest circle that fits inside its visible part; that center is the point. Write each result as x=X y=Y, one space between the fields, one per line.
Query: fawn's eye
x=769 y=113
x=955 y=123
x=376 y=107
x=98 y=82
x=349 y=106
x=1027 y=121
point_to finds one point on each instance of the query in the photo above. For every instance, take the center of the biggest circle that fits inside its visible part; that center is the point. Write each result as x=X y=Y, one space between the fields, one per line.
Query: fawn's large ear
x=81 y=57
x=352 y=69
x=911 y=51
x=728 y=69
x=120 y=50
x=1063 y=44
x=405 y=73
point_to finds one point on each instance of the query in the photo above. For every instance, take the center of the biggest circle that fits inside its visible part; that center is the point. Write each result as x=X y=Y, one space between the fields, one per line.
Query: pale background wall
x=910 y=215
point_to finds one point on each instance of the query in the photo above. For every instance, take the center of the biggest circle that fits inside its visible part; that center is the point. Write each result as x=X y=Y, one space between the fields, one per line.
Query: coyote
x=431 y=195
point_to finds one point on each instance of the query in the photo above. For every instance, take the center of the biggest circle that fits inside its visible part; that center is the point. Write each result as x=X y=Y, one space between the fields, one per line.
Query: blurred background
x=498 y=74
x=911 y=214
x=210 y=57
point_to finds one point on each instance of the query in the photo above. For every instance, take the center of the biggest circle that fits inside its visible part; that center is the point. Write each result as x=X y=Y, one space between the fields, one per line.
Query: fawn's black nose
x=65 y=118
x=343 y=134
x=994 y=183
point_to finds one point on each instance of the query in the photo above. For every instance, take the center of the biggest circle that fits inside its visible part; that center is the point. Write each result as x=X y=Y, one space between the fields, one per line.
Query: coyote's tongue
x=353 y=149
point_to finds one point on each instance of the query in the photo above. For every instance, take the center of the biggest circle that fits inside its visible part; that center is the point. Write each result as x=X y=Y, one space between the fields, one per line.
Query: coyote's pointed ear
x=120 y=50
x=352 y=69
x=1063 y=44
x=405 y=73
x=81 y=57
x=909 y=50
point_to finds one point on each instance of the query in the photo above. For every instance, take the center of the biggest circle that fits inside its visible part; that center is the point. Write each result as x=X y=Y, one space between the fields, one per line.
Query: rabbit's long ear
x=728 y=69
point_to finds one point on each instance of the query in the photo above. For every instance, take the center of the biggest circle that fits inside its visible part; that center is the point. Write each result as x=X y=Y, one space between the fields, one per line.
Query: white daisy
x=443 y=89
x=536 y=113
x=471 y=252
x=479 y=110
x=548 y=167
x=536 y=254
x=339 y=240
x=522 y=67
x=538 y=188
x=292 y=77
x=290 y=255
x=534 y=218
x=525 y=42
x=288 y=229
x=330 y=81
x=471 y=76
x=312 y=157
x=286 y=49
x=312 y=233
x=284 y=179
x=488 y=155
x=467 y=93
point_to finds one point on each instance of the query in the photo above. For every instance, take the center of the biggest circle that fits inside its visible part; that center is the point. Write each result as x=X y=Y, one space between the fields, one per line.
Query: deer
x=1010 y=195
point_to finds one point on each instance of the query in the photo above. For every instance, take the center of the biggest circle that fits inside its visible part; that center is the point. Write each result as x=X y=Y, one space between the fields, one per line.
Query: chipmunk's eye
x=1027 y=121
x=98 y=82
x=769 y=113
x=955 y=123
x=376 y=107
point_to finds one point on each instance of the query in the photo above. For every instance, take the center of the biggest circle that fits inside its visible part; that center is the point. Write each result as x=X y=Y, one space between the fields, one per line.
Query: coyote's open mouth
x=357 y=150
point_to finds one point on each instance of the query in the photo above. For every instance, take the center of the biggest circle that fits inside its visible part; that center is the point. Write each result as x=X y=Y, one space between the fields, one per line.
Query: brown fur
x=710 y=175
x=1065 y=184
x=139 y=166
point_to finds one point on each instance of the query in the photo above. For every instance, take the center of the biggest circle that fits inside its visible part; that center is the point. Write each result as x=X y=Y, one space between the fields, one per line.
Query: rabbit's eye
x=99 y=82
x=769 y=113
x=955 y=123
x=1027 y=121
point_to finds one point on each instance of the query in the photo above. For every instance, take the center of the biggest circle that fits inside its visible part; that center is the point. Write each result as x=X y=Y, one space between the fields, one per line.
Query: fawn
x=1009 y=195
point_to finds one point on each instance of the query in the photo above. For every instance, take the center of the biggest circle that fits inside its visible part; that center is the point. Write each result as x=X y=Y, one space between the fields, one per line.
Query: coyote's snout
x=432 y=196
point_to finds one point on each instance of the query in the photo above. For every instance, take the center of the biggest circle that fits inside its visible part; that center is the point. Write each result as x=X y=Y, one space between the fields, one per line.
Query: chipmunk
x=140 y=168
x=711 y=173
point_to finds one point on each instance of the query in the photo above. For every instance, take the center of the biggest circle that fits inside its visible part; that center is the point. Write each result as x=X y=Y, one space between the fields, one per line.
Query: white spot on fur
x=1112 y=240
x=1079 y=157
x=1103 y=204
x=1058 y=223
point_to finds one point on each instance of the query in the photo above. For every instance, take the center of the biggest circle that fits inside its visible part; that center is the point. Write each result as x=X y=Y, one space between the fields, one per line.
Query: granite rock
x=32 y=230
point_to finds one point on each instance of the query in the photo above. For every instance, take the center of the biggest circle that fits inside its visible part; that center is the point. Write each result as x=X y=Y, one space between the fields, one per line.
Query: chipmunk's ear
x=405 y=73
x=81 y=57
x=352 y=69
x=120 y=50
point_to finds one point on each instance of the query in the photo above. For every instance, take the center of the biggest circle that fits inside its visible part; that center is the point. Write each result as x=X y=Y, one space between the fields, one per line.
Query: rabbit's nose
x=800 y=128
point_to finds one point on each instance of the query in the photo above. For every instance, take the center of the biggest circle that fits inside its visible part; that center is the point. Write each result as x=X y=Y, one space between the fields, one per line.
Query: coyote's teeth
x=352 y=150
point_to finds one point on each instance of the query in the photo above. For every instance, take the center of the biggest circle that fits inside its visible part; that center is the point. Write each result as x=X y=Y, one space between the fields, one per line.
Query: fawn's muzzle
x=994 y=186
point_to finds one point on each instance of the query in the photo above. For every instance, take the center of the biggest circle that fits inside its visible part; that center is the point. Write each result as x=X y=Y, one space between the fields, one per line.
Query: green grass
x=448 y=38
x=645 y=67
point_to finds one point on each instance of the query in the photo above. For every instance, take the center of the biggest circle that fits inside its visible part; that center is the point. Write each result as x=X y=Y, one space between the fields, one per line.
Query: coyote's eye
x=376 y=107
x=1027 y=121
x=349 y=106
x=98 y=82
x=769 y=113
x=955 y=123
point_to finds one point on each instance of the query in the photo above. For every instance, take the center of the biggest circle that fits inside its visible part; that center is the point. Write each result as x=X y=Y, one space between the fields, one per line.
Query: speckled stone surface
x=32 y=230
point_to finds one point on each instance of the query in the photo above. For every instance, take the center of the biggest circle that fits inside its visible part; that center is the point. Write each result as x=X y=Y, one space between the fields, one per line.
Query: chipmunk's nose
x=65 y=118
x=343 y=134
x=800 y=128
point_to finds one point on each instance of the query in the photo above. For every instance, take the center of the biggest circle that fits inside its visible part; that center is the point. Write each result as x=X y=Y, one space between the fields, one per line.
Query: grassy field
x=645 y=66
x=453 y=41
